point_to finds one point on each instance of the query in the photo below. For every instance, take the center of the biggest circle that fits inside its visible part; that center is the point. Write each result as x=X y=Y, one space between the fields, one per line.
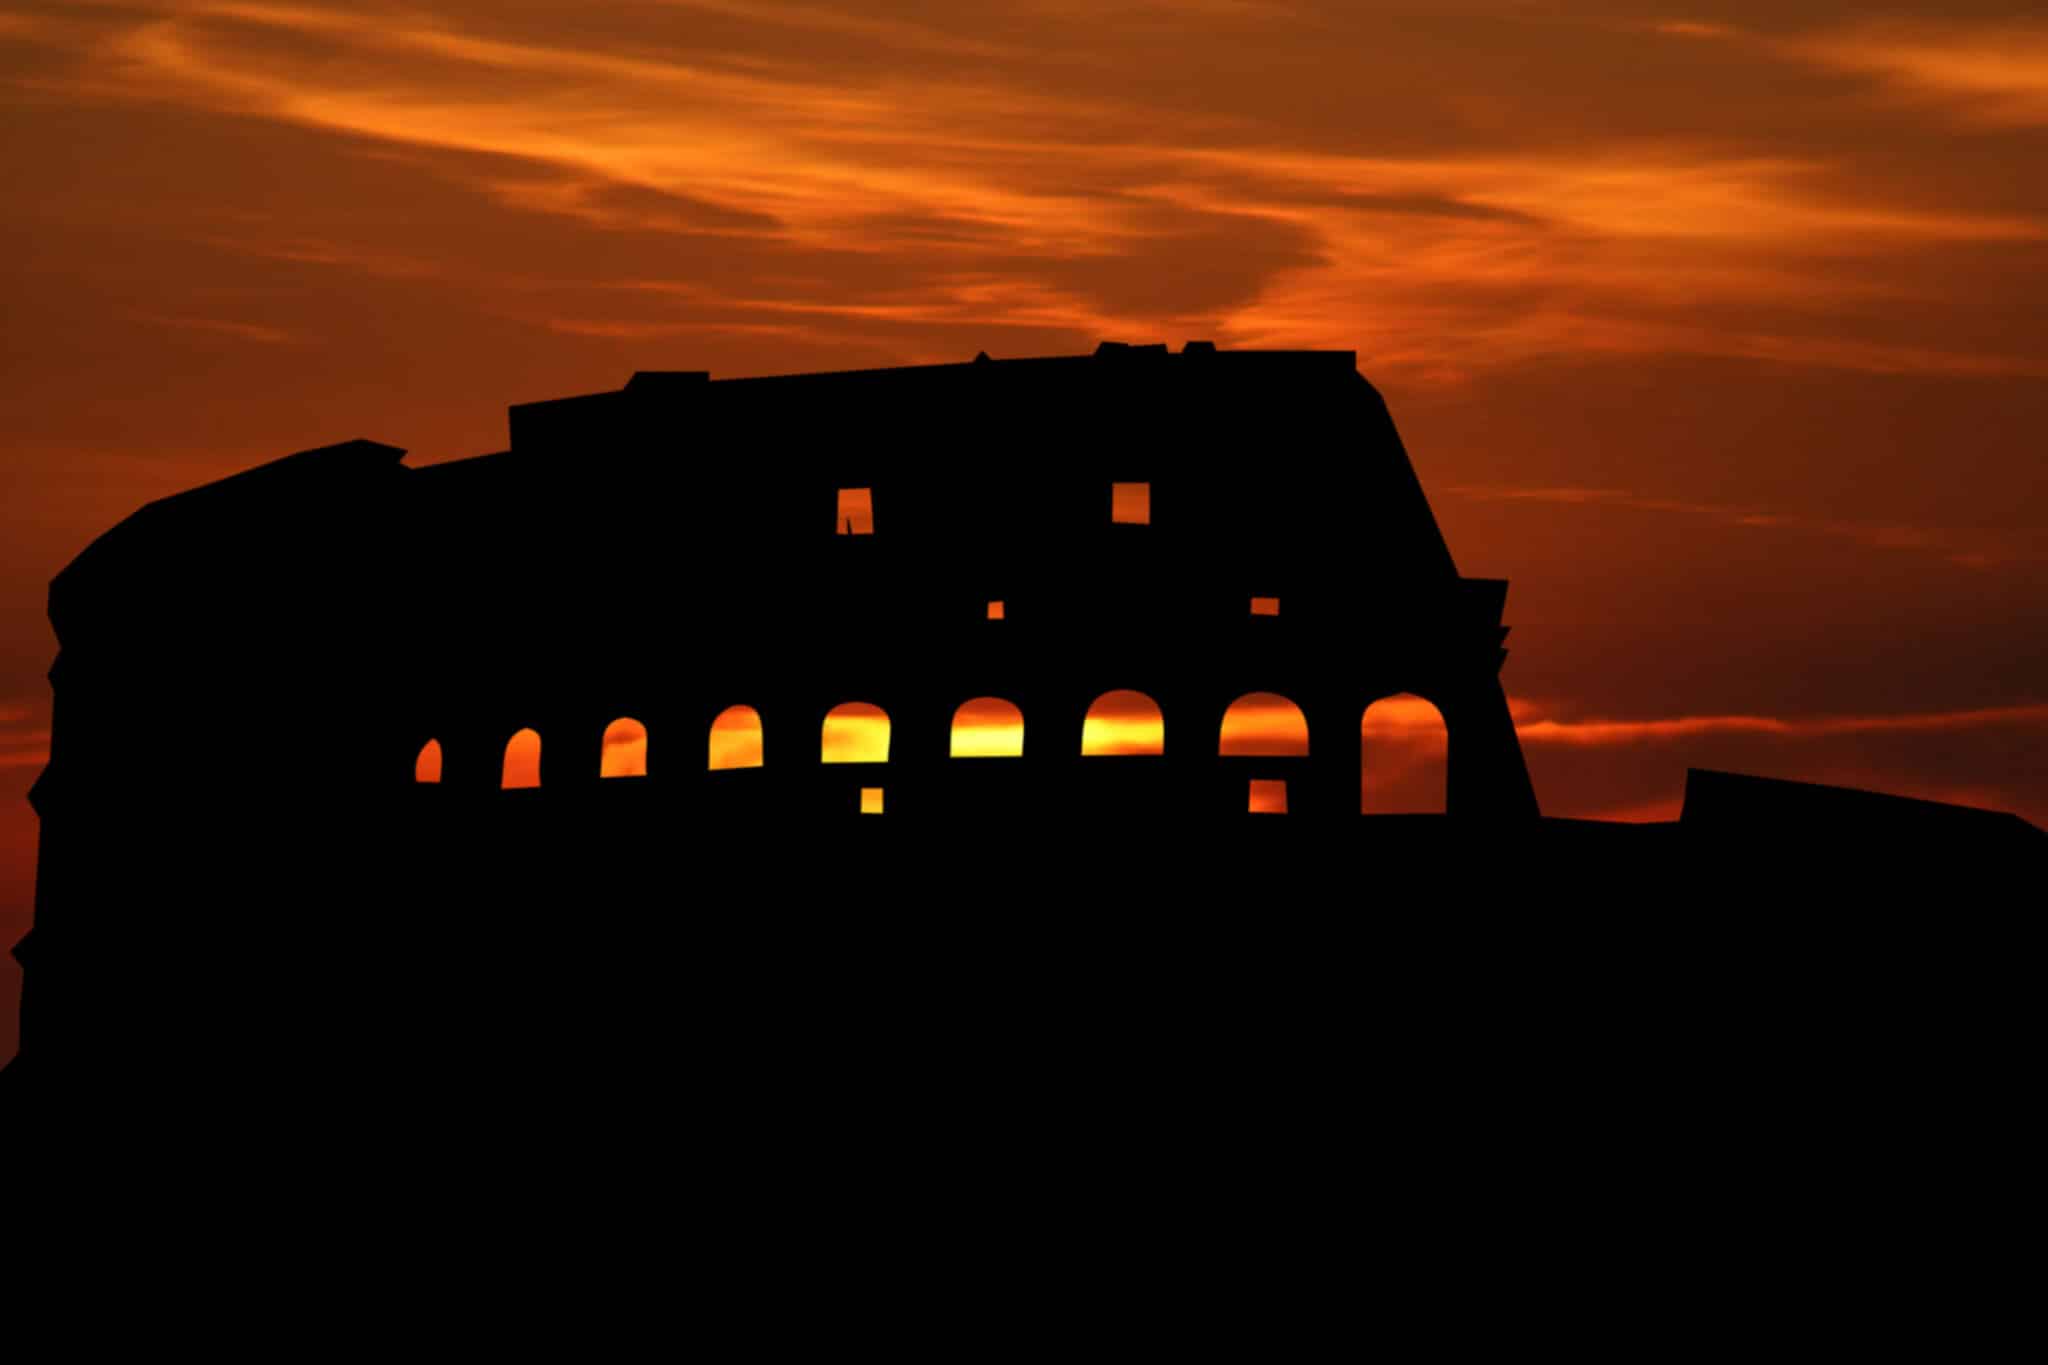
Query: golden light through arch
x=988 y=727
x=625 y=749
x=855 y=732
x=427 y=767
x=1404 y=757
x=1263 y=724
x=522 y=761
x=736 y=739
x=1123 y=722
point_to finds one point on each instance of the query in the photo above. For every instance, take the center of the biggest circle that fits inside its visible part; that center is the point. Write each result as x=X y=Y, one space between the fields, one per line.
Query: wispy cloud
x=1965 y=549
x=1591 y=732
x=321 y=251
x=1079 y=207
x=1625 y=190
x=888 y=32
x=1692 y=28
x=1655 y=810
x=1633 y=768
x=242 y=331
x=1988 y=73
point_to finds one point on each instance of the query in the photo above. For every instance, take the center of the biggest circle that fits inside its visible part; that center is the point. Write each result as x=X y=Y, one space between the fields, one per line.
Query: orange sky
x=1718 y=333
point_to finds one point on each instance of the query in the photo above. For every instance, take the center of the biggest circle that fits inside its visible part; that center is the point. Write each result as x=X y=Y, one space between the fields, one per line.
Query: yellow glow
x=1123 y=723
x=870 y=800
x=1261 y=723
x=522 y=760
x=427 y=767
x=625 y=749
x=736 y=738
x=1268 y=797
x=855 y=732
x=988 y=727
x=1130 y=504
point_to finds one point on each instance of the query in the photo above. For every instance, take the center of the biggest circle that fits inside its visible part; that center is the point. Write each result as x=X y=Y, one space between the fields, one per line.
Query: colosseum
x=350 y=755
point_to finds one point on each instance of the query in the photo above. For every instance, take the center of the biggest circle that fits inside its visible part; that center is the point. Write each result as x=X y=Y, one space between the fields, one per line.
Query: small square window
x=1269 y=797
x=1265 y=606
x=856 y=512
x=995 y=611
x=870 y=800
x=1130 y=504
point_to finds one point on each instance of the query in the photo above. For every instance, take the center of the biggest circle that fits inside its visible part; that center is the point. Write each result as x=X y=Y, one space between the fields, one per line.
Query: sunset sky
x=1719 y=332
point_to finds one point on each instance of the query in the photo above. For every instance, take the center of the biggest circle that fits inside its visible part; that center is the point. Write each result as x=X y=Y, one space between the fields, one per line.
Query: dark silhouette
x=244 y=882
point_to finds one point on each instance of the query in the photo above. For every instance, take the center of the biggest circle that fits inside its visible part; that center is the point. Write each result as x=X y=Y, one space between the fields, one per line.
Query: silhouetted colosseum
x=910 y=590
x=353 y=759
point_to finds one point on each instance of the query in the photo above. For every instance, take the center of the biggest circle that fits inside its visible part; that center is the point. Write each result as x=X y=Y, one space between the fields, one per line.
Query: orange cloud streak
x=1968 y=550
x=1989 y=73
x=1645 y=244
x=1629 y=732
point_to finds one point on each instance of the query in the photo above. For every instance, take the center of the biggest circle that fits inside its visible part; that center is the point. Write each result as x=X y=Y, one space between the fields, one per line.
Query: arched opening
x=1130 y=504
x=736 y=739
x=427 y=767
x=1263 y=725
x=988 y=727
x=522 y=761
x=1404 y=757
x=856 y=511
x=625 y=749
x=855 y=732
x=1123 y=723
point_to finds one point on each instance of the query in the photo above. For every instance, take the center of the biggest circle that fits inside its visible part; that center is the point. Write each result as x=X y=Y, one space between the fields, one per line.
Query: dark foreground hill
x=596 y=948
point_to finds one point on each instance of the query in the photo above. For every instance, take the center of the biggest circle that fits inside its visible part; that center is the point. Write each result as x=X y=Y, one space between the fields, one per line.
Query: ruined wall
x=232 y=836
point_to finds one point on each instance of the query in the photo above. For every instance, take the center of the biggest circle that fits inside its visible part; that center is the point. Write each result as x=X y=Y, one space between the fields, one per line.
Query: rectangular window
x=856 y=512
x=995 y=611
x=1130 y=504
x=870 y=800
x=1269 y=797
x=1265 y=606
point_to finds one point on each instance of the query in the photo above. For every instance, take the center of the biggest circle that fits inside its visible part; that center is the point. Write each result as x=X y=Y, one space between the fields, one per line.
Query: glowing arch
x=1263 y=724
x=855 y=732
x=625 y=749
x=522 y=761
x=736 y=738
x=1123 y=722
x=988 y=727
x=1404 y=757
x=427 y=767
